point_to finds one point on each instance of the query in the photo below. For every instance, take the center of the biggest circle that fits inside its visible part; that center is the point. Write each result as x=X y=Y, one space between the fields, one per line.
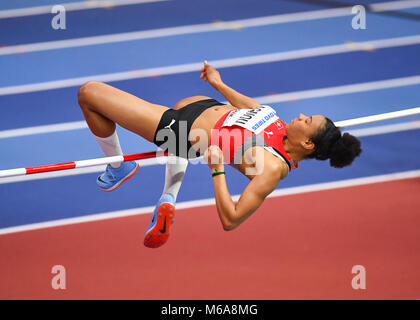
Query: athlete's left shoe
x=157 y=233
x=112 y=178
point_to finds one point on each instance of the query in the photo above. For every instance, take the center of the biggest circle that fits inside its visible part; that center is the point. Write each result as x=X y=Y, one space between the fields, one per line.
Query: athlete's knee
x=86 y=91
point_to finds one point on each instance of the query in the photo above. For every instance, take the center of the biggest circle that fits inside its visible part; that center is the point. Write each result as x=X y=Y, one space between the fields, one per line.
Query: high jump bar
x=155 y=154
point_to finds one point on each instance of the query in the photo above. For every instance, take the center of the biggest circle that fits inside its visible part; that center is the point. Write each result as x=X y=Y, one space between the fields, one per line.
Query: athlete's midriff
x=210 y=116
x=208 y=119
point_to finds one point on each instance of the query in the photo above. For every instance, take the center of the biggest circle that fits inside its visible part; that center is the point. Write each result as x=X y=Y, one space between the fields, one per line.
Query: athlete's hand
x=214 y=158
x=210 y=74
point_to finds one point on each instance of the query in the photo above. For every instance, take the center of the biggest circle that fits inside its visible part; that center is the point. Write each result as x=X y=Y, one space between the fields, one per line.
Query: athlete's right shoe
x=157 y=233
x=112 y=178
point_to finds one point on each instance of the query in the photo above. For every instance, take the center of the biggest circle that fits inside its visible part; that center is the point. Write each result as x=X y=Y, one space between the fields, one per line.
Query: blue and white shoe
x=112 y=178
x=157 y=233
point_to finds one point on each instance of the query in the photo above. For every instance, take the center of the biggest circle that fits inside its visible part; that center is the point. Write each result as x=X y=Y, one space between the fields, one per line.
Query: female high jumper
x=244 y=134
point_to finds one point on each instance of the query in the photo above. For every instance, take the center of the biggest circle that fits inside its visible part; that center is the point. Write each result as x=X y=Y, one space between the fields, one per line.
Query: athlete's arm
x=232 y=214
x=236 y=99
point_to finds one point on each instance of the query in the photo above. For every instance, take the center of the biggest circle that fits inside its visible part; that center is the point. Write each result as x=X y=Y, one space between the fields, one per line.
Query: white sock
x=111 y=147
x=174 y=174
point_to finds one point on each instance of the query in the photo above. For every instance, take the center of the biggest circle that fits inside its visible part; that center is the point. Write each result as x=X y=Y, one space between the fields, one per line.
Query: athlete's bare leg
x=103 y=106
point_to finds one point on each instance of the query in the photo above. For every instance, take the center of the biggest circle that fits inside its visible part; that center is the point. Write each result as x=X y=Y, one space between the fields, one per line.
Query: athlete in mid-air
x=244 y=134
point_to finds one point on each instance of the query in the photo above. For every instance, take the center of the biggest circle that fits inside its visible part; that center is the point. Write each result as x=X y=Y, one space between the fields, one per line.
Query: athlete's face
x=302 y=128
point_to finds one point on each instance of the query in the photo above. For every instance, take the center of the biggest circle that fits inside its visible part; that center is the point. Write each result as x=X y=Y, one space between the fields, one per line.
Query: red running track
x=294 y=247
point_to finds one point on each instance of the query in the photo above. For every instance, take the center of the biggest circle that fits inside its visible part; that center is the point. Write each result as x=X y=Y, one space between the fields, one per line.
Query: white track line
x=107 y=4
x=211 y=201
x=393 y=5
x=268 y=99
x=378 y=117
x=223 y=63
x=405 y=126
x=71 y=6
x=65 y=126
x=338 y=90
x=414 y=125
x=198 y=28
x=175 y=31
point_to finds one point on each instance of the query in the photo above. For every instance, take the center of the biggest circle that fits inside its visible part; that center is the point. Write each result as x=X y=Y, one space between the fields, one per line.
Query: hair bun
x=344 y=151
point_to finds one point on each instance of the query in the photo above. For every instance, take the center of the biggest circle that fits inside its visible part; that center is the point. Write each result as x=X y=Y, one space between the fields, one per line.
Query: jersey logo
x=279 y=124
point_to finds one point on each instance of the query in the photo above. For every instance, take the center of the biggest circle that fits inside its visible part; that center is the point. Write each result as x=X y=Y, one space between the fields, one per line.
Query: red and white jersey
x=240 y=129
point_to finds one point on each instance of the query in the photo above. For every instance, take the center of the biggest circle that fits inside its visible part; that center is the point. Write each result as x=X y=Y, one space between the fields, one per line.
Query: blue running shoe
x=112 y=178
x=157 y=233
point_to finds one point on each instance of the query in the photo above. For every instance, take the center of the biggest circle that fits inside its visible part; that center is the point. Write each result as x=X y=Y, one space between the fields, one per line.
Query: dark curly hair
x=330 y=144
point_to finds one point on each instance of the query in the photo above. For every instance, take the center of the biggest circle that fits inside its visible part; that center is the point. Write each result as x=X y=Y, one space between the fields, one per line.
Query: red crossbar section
x=144 y=155
x=51 y=167
x=72 y=165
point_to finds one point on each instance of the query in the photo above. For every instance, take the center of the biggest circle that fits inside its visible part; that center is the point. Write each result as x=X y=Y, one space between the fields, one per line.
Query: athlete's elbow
x=229 y=225
x=228 y=219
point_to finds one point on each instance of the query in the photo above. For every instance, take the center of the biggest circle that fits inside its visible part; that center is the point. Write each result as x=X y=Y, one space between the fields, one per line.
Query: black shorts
x=175 y=125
